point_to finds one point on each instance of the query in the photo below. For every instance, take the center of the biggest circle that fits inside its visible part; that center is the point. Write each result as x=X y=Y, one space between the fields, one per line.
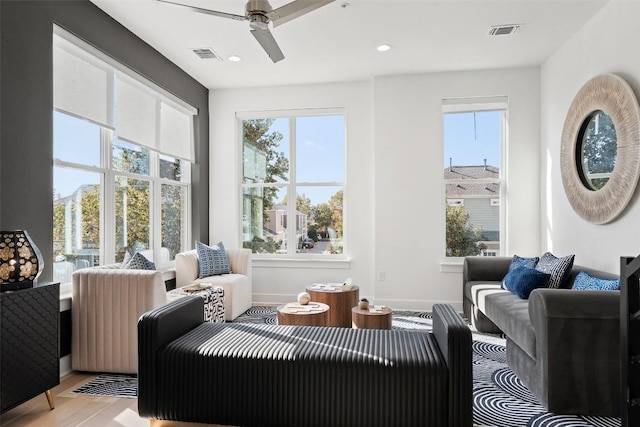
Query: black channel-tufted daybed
x=563 y=344
x=270 y=375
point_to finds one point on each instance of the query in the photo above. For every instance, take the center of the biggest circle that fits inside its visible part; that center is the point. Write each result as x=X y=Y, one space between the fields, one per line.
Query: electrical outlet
x=381 y=276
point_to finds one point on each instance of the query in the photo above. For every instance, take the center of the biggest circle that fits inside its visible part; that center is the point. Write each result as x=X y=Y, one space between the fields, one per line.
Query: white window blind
x=82 y=87
x=86 y=81
x=137 y=113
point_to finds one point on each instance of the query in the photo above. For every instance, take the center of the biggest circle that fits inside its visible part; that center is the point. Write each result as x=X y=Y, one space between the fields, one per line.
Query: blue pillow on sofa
x=586 y=282
x=558 y=268
x=139 y=262
x=212 y=260
x=522 y=280
x=518 y=261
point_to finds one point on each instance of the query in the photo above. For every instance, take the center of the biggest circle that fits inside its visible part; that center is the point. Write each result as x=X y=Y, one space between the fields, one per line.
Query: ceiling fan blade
x=294 y=10
x=206 y=11
x=269 y=44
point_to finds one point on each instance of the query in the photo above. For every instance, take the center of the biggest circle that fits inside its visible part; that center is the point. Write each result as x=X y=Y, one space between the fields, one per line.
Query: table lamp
x=20 y=260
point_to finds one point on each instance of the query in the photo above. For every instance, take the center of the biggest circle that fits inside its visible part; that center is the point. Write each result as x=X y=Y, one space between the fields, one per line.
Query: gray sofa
x=563 y=344
x=245 y=374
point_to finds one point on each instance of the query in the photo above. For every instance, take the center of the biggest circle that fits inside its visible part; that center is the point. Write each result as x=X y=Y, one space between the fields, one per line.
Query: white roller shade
x=82 y=87
x=176 y=132
x=137 y=113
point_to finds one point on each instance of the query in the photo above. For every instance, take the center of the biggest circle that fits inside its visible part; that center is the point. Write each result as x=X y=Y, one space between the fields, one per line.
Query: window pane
x=75 y=140
x=76 y=221
x=472 y=147
x=132 y=215
x=320 y=226
x=129 y=157
x=170 y=168
x=174 y=202
x=265 y=151
x=320 y=149
x=264 y=219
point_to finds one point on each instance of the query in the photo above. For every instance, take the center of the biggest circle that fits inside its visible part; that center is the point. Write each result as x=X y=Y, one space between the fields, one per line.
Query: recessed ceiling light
x=234 y=58
x=383 y=47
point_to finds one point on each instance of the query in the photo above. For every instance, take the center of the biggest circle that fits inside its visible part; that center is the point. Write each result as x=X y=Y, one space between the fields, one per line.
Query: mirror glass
x=596 y=150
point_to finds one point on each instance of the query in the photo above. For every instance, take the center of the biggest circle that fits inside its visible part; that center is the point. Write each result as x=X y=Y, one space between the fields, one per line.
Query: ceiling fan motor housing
x=257 y=7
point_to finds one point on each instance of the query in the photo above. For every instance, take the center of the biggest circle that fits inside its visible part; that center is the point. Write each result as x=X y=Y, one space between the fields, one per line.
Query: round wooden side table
x=288 y=314
x=340 y=302
x=365 y=319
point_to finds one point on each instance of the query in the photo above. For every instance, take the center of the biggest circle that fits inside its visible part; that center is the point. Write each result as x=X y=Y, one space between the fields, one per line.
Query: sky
x=320 y=153
x=469 y=145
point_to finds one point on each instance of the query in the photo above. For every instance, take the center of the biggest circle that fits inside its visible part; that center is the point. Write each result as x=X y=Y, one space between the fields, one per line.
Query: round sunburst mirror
x=600 y=150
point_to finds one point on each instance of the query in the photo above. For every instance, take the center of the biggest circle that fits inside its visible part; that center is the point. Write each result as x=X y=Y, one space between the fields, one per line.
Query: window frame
x=481 y=104
x=109 y=175
x=291 y=184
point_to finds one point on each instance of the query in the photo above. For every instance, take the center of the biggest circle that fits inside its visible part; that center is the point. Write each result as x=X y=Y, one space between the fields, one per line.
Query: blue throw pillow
x=518 y=261
x=522 y=280
x=558 y=268
x=139 y=262
x=586 y=282
x=212 y=260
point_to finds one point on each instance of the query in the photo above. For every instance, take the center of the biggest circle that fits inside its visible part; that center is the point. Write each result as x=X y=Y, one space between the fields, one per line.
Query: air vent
x=206 y=53
x=504 y=30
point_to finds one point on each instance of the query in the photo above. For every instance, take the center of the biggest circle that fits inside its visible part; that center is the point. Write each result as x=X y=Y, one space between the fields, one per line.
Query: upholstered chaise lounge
x=274 y=375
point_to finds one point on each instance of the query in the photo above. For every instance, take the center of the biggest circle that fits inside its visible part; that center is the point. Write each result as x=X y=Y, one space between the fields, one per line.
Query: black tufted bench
x=270 y=375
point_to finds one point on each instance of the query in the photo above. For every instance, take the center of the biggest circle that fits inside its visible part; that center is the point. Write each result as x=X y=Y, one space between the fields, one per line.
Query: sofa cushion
x=558 y=268
x=139 y=262
x=522 y=280
x=478 y=291
x=586 y=282
x=518 y=261
x=511 y=314
x=212 y=260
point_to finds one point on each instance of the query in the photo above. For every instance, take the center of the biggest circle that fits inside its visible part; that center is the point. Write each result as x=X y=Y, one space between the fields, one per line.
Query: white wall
x=409 y=200
x=395 y=196
x=606 y=44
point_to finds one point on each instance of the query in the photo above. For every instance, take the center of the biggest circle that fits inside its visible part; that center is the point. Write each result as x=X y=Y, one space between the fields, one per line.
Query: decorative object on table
x=20 y=260
x=363 y=304
x=304 y=298
x=347 y=285
x=601 y=130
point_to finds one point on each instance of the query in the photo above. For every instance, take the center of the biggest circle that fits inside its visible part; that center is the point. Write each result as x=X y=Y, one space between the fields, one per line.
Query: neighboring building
x=275 y=224
x=480 y=200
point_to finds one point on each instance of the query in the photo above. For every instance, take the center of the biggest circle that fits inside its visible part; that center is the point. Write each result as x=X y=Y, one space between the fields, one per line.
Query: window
x=293 y=156
x=116 y=185
x=474 y=134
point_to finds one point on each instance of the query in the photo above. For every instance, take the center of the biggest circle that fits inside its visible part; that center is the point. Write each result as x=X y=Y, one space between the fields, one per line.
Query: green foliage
x=462 y=237
x=336 y=206
x=262 y=246
x=599 y=148
x=256 y=132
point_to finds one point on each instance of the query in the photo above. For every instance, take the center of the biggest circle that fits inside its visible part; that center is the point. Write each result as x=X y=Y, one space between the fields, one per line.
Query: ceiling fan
x=259 y=13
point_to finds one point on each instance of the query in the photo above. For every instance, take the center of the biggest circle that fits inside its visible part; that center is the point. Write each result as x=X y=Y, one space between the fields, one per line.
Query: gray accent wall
x=26 y=108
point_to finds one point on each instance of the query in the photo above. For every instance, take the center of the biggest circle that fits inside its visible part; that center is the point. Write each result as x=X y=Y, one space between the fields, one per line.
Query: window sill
x=340 y=263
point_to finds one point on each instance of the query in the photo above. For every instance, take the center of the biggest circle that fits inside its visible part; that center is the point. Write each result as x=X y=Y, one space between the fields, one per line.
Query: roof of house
x=470 y=173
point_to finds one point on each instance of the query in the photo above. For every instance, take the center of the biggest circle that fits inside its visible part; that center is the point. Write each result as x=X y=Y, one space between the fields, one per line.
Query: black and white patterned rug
x=499 y=398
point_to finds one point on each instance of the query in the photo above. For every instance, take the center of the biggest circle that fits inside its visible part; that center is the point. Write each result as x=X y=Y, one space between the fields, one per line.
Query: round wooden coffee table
x=365 y=319
x=290 y=314
x=340 y=302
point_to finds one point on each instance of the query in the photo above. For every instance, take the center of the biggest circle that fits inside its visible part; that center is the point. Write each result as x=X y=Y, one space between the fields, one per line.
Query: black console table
x=29 y=350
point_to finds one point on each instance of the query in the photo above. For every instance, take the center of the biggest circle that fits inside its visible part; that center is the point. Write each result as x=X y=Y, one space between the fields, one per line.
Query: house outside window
x=117 y=187
x=474 y=135
x=287 y=156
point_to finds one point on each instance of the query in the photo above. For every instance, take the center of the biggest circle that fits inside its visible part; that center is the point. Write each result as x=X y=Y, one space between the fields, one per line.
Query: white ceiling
x=337 y=43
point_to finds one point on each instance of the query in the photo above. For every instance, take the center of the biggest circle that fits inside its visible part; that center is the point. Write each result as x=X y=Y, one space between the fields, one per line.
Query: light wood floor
x=82 y=410
x=75 y=409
